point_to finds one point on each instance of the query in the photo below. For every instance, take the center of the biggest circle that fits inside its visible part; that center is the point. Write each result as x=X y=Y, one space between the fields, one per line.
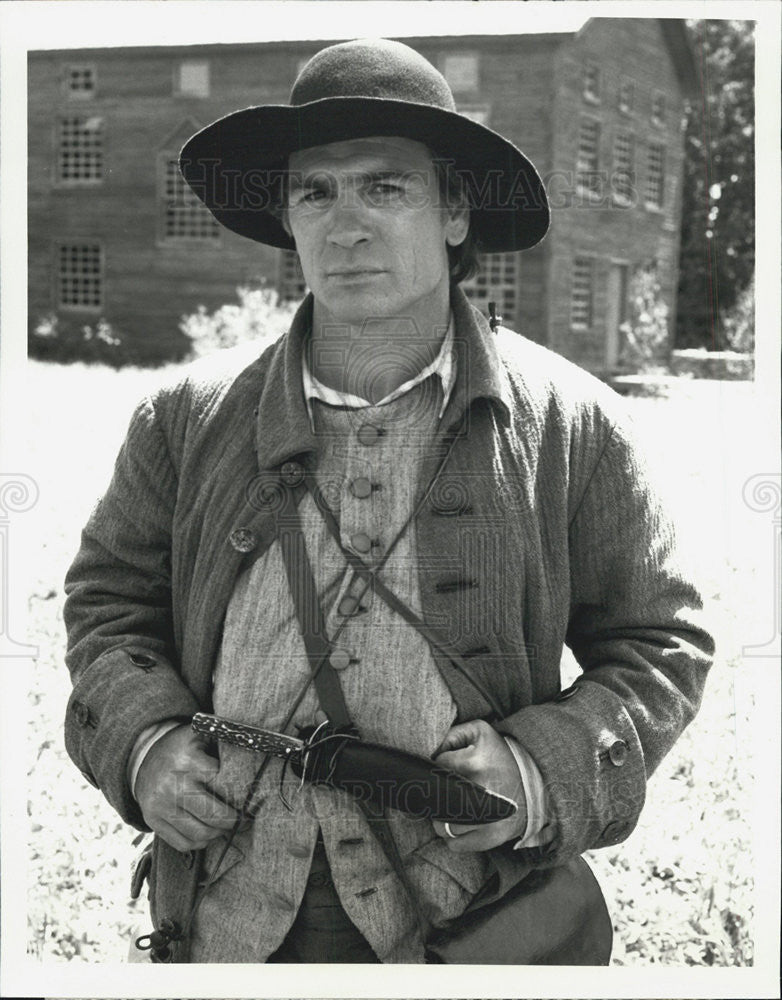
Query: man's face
x=370 y=227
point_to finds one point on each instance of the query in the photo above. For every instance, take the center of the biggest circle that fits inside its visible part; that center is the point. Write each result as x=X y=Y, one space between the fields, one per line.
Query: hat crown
x=372 y=68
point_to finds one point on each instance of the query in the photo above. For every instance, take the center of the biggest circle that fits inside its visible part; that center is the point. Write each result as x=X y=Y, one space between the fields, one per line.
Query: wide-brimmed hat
x=352 y=90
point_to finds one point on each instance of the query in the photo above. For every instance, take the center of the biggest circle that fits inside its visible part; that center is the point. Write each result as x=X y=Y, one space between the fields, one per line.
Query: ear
x=457 y=224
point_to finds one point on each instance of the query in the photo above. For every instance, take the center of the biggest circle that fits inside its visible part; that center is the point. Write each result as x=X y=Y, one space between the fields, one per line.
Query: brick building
x=114 y=234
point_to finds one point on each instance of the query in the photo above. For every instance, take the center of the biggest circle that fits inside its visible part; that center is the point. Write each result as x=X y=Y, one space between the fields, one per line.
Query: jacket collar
x=283 y=427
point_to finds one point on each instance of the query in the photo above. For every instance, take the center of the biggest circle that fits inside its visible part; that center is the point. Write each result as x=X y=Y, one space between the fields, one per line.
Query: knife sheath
x=382 y=776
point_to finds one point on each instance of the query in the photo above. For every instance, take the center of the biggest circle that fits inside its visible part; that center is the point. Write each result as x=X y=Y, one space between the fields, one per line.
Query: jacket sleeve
x=119 y=620
x=636 y=629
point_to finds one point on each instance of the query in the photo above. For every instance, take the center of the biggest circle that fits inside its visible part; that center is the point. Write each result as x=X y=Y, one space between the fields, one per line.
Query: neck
x=373 y=357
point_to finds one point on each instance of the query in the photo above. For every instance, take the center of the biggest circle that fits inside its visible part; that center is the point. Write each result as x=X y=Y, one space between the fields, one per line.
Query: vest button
x=340 y=659
x=361 y=488
x=82 y=713
x=368 y=434
x=299 y=851
x=291 y=474
x=347 y=606
x=243 y=539
x=142 y=660
x=361 y=542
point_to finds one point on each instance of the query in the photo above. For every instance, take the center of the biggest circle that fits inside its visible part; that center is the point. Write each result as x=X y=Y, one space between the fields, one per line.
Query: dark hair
x=464 y=259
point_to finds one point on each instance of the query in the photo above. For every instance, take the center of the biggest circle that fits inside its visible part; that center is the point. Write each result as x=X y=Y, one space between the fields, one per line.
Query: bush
x=738 y=325
x=258 y=317
x=67 y=342
x=645 y=333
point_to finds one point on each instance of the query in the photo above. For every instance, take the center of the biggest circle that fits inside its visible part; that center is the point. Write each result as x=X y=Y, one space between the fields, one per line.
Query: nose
x=348 y=222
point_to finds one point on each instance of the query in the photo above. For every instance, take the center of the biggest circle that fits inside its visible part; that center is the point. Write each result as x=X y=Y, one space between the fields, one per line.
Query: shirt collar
x=444 y=366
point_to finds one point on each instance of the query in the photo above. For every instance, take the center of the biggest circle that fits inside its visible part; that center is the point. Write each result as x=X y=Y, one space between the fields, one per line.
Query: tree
x=718 y=226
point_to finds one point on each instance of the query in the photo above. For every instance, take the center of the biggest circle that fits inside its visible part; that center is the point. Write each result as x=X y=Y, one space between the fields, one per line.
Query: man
x=490 y=484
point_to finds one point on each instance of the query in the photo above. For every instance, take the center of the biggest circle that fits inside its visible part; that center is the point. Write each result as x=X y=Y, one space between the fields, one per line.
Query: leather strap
x=370 y=574
x=312 y=623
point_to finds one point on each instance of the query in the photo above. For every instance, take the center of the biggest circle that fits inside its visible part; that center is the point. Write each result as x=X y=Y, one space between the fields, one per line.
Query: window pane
x=194 y=79
x=80 y=154
x=655 y=177
x=623 y=166
x=495 y=282
x=80 y=275
x=581 y=293
x=587 y=158
x=185 y=217
x=461 y=72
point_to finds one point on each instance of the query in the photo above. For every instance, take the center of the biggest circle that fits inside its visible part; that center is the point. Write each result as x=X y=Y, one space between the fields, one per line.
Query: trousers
x=322 y=931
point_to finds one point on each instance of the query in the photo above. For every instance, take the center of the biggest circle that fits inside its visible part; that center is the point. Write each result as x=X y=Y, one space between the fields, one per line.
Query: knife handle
x=243 y=736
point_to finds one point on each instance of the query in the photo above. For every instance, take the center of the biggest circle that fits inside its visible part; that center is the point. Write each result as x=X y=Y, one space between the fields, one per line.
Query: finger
x=195 y=833
x=457 y=829
x=176 y=838
x=462 y=735
x=210 y=809
x=462 y=761
x=482 y=838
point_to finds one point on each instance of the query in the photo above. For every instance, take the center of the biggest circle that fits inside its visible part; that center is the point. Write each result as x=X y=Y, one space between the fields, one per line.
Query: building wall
x=601 y=227
x=528 y=88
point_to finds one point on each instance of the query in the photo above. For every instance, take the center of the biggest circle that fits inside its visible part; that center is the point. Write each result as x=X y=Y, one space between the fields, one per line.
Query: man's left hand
x=478 y=752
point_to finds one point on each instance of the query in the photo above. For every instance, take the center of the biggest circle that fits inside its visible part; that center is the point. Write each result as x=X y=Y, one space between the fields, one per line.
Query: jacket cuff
x=592 y=764
x=122 y=693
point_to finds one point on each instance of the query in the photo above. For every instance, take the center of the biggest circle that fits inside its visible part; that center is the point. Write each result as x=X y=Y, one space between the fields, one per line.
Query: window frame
x=591 y=97
x=580 y=327
x=78 y=182
x=286 y=260
x=655 y=206
x=164 y=241
x=70 y=308
x=626 y=200
x=79 y=95
x=626 y=107
x=480 y=290
x=593 y=192
x=176 y=86
x=473 y=54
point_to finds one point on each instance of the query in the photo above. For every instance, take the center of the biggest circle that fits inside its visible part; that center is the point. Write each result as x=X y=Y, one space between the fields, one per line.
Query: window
x=80 y=154
x=581 y=294
x=655 y=176
x=587 y=158
x=622 y=180
x=495 y=282
x=461 y=72
x=192 y=79
x=626 y=96
x=591 y=83
x=658 y=108
x=80 y=82
x=291 y=284
x=80 y=276
x=184 y=216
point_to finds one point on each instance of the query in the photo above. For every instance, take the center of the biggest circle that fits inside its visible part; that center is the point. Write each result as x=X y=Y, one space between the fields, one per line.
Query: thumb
x=465 y=734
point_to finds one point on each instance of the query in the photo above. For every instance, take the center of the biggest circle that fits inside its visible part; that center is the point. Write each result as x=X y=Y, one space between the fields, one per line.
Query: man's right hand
x=173 y=789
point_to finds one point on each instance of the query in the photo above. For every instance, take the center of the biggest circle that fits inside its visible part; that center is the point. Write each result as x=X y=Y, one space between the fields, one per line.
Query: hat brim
x=236 y=164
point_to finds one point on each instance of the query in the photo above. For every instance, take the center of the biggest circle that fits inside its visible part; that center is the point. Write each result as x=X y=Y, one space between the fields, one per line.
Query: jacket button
x=188 y=857
x=339 y=659
x=361 y=488
x=243 y=539
x=617 y=753
x=142 y=660
x=82 y=713
x=368 y=434
x=291 y=474
x=348 y=606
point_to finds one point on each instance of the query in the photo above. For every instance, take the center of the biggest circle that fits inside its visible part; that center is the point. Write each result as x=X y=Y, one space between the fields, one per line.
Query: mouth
x=354 y=272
